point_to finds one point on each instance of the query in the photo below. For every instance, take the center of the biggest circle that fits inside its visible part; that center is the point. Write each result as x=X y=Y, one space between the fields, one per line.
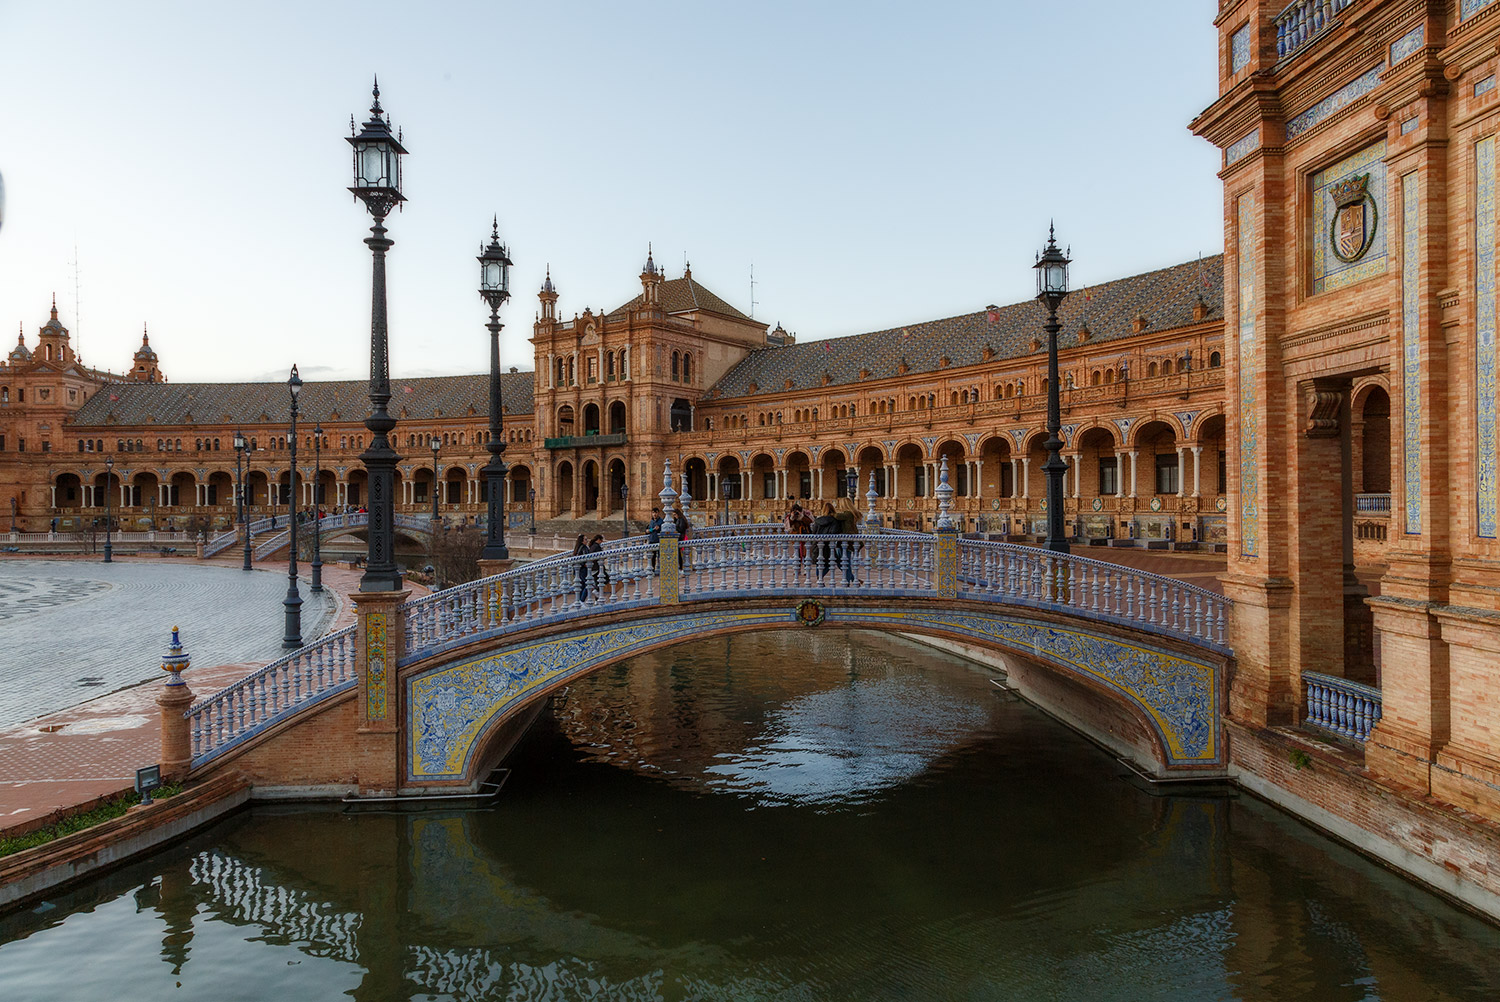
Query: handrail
x=285 y=686
x=902 y=564
x=1342 y=706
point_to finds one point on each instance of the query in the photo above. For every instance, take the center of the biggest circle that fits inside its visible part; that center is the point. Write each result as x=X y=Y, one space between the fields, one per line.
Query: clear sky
x=877 y=163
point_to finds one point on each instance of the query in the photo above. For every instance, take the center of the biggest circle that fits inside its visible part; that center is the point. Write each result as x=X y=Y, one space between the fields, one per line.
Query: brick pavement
x=75 y=755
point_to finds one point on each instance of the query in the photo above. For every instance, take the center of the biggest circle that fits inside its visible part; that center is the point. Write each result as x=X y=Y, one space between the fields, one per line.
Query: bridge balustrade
x=1028 y=576
x=306 y=676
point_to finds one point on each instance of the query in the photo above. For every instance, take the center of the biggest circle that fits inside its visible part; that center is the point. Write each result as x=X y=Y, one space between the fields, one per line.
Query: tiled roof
x=681 y=295
x=1165 y=298
x=245 y=403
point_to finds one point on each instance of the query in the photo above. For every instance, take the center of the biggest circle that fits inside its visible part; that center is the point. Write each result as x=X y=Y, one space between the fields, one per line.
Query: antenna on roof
x=77 y=327
x=752 y=290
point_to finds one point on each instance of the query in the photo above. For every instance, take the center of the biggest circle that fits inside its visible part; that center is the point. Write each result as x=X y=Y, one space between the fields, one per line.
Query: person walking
x=580 y=548
x=797 y=521
x=826 y=524
x=597 y=570
x=684 y=529
x=653 y=536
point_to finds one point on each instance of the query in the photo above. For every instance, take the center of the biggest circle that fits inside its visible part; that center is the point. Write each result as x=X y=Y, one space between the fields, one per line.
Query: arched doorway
x=617 y=418
x=681 y=415
x=590 y=486
x=563 y=501
x=617 y=484
x=591 y=419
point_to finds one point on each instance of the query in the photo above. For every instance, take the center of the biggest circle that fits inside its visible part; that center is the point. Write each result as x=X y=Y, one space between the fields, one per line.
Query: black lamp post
x=435 y=479
x=239 y=476
x=377 y=183
x=109 y=479
x=1051 y=288
x=724 y=491
x=317 y=561
x=624 y=509
x=851 y=482
x=494 y=288
x=293 y=601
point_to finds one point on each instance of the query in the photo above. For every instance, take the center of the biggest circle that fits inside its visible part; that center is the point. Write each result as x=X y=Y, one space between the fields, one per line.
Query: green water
x=794 y=816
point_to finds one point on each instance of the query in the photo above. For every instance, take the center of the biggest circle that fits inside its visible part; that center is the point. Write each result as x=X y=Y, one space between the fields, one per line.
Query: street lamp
x=724 y=492
x=851 y=483
x=109 y=479
x=434 y=479
x=624 y=509
x=317 y=561
x=531 y=496
x=239 y=476
x=1051 y=288
x=377 y=183
x=494 y=289
x=293 y=601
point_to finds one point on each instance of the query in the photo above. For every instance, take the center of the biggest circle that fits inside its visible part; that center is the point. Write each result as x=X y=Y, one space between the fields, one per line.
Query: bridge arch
x=463 y=705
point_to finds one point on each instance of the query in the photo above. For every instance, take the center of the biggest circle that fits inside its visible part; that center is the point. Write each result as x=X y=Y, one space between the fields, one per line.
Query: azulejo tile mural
x=1341 y=98
x=1348 y=238
x=1249 y=418
x=451 y=706
x=1484 y=338
x=1179 y=695
x=1411 y=355
x=375 y=667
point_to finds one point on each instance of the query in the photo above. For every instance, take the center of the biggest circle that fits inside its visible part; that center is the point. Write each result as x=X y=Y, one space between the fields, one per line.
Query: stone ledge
x=1451 y=851
x=46 y=868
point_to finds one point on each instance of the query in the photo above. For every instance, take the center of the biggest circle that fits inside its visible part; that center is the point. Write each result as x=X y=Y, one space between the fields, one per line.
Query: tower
x=548 y=296
x=144 y=368
x=54 y=345
x=650 y=283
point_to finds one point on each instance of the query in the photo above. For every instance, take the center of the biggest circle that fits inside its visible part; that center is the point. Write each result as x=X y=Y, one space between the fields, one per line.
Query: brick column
x=176 y=697
x=380 y=724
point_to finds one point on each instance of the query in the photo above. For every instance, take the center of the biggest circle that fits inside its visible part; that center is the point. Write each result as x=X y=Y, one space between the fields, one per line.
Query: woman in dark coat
x=579 y=549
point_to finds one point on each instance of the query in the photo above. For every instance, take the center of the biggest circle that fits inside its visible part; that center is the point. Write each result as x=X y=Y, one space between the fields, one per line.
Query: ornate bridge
x=425 y=694
x=329 y=527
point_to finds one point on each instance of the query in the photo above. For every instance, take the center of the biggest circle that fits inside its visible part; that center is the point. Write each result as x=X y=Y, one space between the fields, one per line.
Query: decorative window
x=1166 y=473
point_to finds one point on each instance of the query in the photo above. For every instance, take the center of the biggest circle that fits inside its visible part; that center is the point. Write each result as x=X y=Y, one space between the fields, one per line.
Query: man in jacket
x=653 y=535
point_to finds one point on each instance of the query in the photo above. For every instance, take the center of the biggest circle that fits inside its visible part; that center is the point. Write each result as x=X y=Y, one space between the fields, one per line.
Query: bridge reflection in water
x=757 y=817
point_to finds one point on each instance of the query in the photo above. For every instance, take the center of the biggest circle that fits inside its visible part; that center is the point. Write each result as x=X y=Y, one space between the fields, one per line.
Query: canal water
x=793 y=816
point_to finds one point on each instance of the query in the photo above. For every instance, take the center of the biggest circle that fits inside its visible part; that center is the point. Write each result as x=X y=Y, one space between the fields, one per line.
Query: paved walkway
x=78 y=754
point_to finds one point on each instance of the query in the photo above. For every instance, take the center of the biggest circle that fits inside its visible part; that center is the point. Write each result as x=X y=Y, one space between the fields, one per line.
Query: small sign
x=146 y=780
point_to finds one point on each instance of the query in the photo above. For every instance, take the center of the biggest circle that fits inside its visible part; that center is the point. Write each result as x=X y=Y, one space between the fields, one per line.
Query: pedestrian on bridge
x=581 y=549
x=653 y=535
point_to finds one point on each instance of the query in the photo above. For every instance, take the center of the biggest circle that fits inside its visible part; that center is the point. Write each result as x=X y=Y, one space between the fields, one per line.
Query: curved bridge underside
x=459 y=700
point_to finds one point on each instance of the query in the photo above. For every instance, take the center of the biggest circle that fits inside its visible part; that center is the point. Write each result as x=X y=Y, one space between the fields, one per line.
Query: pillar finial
x=871 y=518
x=176 y=660
x=944 y=494
x=667 y=497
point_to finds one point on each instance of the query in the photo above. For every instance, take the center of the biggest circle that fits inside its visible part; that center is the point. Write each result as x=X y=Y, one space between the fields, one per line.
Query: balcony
x=589 y=440
x=1302 y=21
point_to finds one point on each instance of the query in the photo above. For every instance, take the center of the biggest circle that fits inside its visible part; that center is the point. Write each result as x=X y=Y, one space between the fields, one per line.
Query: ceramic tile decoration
x=1348 y=220
x=1344 y=96
x=1243 y=146
x=1484 y=86
x=376 y=673
x=1410 y=125
x=1484 y=337
x=1239 y=49
x=1408 y=43
x=1472 y=7
x=1411 y=354
x=453 y=705
x=1249 y=419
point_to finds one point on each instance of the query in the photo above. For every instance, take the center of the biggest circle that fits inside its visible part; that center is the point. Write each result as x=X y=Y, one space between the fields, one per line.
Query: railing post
x=947 y=537
x=669 y=564
x=176 y=732
x=378 y=643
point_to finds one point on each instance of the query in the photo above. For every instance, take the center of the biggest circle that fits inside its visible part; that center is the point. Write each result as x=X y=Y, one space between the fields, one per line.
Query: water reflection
x=782 y=818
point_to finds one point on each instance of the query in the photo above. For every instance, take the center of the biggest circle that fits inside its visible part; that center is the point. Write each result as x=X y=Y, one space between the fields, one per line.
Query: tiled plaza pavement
x=74 y=755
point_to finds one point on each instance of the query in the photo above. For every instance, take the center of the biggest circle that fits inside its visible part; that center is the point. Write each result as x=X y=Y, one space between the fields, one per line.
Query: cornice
x=1338 y=328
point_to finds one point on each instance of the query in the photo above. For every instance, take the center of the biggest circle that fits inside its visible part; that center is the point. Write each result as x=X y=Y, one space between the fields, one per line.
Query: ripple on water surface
x=797 y=816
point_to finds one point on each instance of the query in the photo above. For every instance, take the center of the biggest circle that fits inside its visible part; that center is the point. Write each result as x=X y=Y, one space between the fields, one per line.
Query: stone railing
x=1341 y=706
x=730 y=564
x=257 y=701
x=1301 y=21
x=1025 y=575
x=584 y=441
x=1372 y=504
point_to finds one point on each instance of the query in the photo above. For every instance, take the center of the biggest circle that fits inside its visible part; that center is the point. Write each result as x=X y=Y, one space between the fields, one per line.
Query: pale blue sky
x=878 y=164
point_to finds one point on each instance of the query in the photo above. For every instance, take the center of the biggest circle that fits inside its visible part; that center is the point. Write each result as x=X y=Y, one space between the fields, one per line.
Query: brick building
x=1359 y=216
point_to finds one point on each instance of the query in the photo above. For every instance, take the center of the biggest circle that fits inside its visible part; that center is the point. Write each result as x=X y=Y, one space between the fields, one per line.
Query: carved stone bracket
x=1325 y=399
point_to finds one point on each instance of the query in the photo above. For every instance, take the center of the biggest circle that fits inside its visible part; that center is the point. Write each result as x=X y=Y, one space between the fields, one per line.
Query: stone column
x=1197 y=469
x=1181 y=471
x=1134 y=465
x=977 y=488
x=1026 y=478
